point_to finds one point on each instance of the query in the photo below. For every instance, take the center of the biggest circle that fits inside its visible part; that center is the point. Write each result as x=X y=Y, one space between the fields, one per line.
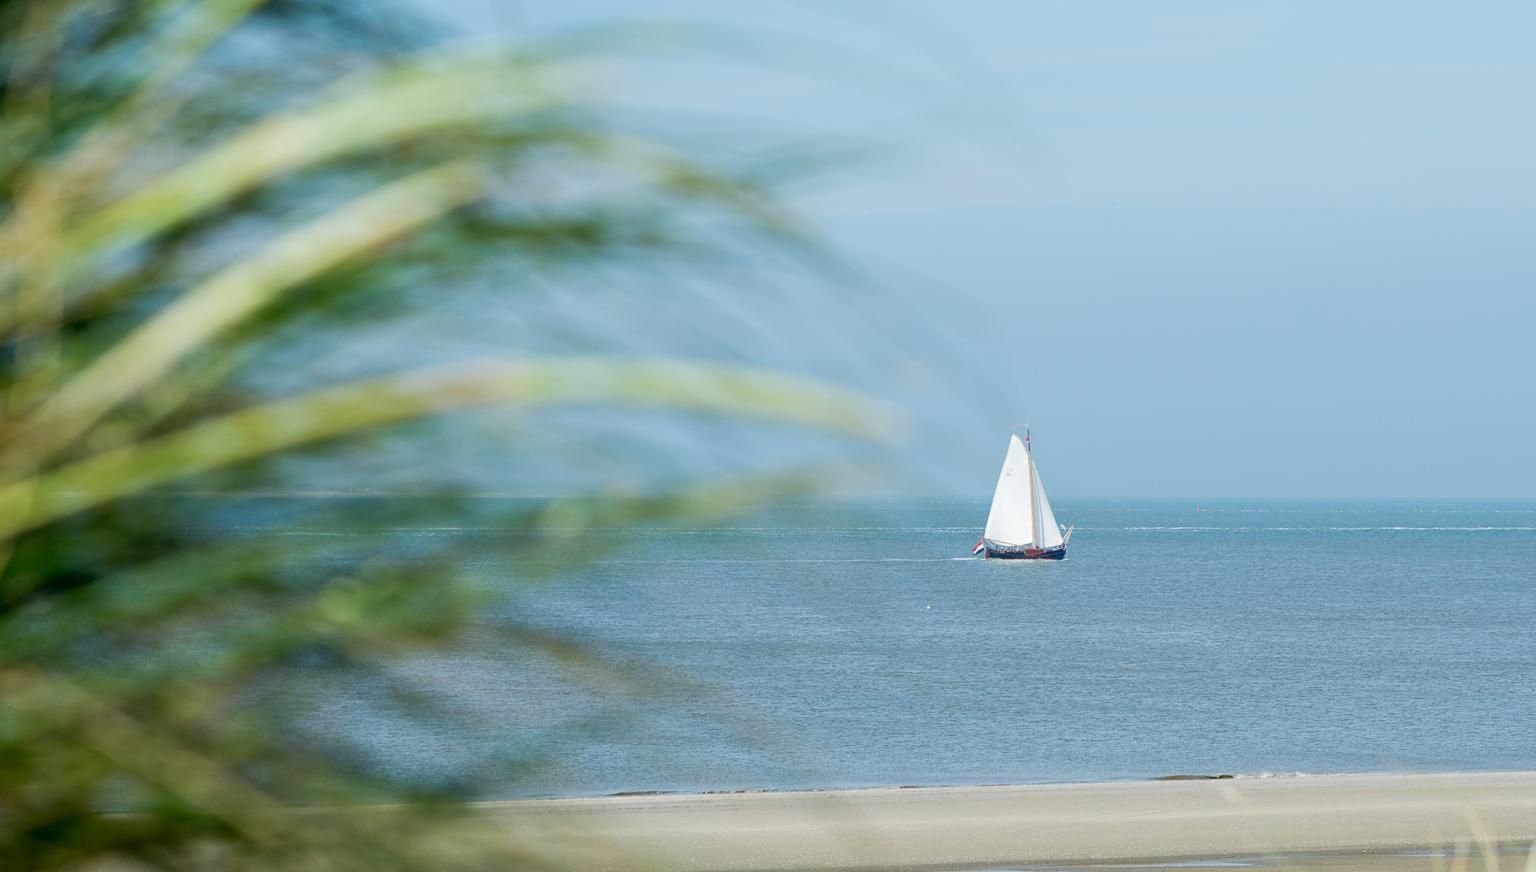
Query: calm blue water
x=853 y=646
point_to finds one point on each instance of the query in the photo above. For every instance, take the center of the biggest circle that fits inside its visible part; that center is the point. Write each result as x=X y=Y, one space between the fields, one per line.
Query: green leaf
x=325 y=414
x=202 y=314
x=379 y=110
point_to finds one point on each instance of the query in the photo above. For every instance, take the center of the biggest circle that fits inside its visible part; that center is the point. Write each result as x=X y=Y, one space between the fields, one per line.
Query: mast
x=1034 y=499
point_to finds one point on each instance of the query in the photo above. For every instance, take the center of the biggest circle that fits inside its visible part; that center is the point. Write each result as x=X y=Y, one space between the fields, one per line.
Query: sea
x=836 y=645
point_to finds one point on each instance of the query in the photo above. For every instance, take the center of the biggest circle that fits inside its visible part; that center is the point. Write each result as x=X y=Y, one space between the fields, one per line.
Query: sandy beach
x=1382 y=822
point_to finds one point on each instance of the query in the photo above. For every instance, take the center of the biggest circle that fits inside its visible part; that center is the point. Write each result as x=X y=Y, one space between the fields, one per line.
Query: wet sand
x=1376 y=822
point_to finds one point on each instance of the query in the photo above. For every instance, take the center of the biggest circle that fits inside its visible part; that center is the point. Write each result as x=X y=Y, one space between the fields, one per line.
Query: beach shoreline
x=1377 y=821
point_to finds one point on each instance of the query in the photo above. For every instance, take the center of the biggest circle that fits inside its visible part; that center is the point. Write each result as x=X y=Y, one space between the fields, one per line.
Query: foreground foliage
x=196 y=197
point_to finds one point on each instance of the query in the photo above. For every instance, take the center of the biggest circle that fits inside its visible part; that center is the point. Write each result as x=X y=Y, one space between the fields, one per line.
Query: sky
x=1208 y=249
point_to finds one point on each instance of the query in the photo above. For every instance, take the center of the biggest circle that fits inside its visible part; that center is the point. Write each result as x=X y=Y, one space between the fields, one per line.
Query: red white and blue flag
x=981 y=545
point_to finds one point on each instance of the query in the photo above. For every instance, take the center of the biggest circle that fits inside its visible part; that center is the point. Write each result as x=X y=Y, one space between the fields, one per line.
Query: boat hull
x=1005 y=552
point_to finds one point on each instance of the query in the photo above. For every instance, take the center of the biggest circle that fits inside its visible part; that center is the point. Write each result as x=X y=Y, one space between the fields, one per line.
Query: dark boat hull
x=1003 y=552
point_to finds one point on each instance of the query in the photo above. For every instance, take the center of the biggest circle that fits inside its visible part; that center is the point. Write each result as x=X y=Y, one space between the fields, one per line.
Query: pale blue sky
x=1245 y=249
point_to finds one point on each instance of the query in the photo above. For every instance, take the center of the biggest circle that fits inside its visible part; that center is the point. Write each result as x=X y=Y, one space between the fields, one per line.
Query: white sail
x=1050 y=531
x=1011 y=521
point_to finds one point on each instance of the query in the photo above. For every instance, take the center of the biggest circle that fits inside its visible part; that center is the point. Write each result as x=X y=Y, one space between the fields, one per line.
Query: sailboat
x=1021 y=525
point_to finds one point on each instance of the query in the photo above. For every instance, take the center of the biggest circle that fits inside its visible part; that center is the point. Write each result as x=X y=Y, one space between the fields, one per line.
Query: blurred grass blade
x=191 y=32
x=382 y=110
x=186 y=39
x=286 y=424
x=570 y=517
x=205 y=312
x=654 y=166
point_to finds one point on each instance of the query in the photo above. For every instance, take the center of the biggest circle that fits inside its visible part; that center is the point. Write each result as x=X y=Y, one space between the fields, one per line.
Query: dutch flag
x=981 y=545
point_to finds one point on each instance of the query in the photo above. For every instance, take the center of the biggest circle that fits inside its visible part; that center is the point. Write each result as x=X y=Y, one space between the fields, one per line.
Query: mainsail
x=1012 y=519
